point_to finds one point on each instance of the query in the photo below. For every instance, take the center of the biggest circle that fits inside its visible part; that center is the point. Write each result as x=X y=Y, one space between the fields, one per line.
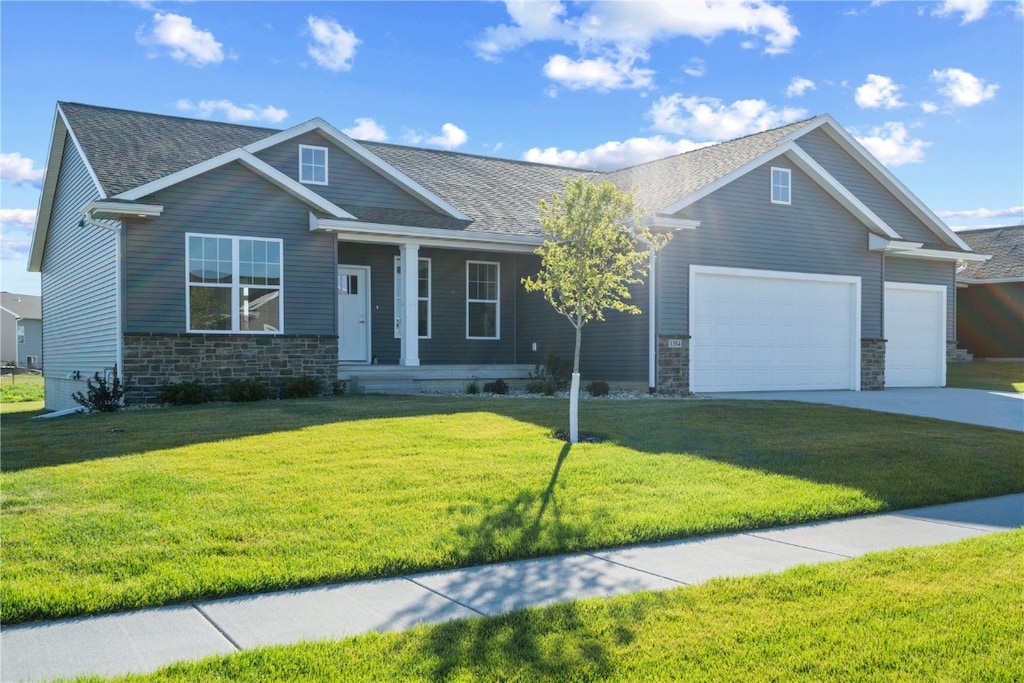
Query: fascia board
x=252 y=163
x=382 y=233
x=345 y=142
x=890 y=181
x=989 y=281
x=878 y=243
x=940 y=255
x=95 y=209
x=660 y=222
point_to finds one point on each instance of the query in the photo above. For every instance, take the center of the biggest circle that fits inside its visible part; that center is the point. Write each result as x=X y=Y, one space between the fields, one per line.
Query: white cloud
x=972 y=10
x=366 y=129
x=250 y=113
x=929 y=107
x=878 y=91
x=891 y=144
x=612 y=155
x=616 y=33
x=185 y=42
x=18 y=170
x=707 y=118
x=16 y=227
x=697 y=67
x=600 y=74
x=451 y=137
x=1012 y=212
x=333 y=46
x=963 y=89
x=798 y=86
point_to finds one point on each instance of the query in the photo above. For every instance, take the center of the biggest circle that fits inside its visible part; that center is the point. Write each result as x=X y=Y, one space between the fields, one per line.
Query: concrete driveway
x=970 y=406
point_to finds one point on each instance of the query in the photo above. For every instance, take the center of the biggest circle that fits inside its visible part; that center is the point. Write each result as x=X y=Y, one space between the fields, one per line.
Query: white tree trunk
x=574 y=409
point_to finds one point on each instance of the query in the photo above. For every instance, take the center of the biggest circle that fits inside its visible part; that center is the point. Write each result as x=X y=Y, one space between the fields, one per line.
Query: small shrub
x=498 y=386
x=185 y=393
x=541 y=386
x=302 y=387
x=555 y=370
x=598 y=389
x=339 y=387
x=473 y=388
x=103 y=396
x=245 y=390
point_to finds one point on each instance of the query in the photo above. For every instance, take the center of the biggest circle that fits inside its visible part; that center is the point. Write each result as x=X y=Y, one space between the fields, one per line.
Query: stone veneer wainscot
x=872 y=364
x=673 y=364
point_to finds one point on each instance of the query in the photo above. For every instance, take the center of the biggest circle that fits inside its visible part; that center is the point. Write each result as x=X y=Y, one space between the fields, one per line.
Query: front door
x=354 y=314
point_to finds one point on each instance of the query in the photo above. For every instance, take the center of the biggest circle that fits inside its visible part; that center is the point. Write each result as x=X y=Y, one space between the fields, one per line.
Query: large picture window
x=482 y=300
x=312 y=165
x=422 y=297
x=234 y=284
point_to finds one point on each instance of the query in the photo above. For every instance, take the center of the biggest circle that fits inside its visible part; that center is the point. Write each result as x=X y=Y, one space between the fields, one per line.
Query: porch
x=427 y=379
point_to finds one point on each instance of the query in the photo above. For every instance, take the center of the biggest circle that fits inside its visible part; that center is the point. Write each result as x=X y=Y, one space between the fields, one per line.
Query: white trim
x=382 y=233
x=368 y=298
x=102 y=210
x=652 y=325
x=234 y=286
x=367 y=157
x=659 y=221
x=251 y=162
x=943 y=293
x=852 y=280
x=786 y=173
x=410 y=253
x=496 y=301
x=988 y=281
x=327 y=164
x=845 y=140
x=941 y=255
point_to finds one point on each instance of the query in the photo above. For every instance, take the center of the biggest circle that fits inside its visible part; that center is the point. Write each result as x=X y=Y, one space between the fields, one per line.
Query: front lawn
x=946 y=613
x=150 y=507
x=989 y=375
x=21 y=388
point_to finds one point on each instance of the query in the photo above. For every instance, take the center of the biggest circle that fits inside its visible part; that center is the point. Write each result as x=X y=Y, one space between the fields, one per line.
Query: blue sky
x=934 y=89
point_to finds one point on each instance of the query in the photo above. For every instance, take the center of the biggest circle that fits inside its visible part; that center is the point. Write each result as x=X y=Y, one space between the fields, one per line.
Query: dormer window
x=312 y=165
x=781 y=186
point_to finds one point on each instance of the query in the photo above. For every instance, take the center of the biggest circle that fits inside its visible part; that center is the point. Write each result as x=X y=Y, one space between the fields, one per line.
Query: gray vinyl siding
x=741 y=228
x=79 y=288
x=8 y=337
x=873 y=194
x=230 y=201
x=927 y=273
x=33 y=345
x=350 y=181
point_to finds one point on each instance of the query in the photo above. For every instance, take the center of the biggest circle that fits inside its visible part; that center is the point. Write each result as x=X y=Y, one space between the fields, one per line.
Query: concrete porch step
x=426 y=379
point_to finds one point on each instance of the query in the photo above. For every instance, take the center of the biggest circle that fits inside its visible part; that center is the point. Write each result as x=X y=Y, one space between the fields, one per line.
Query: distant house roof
x=24 y=306
x=1006 y=245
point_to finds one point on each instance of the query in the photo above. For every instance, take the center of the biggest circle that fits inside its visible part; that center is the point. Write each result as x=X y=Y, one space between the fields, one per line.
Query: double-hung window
x=782 y=186
x=312 y=165
x=422 y=297
x=234 y=284
x=483 y=306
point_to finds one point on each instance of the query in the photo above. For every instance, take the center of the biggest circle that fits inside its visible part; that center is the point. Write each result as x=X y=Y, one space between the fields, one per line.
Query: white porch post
x=410 y=255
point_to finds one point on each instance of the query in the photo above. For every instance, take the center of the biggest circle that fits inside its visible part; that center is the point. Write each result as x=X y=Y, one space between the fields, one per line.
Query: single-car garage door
x=915 y=333
x=754 y=330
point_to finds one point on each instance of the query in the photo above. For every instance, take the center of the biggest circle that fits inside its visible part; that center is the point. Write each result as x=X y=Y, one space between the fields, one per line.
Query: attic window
x=312 y=165
x=781 y=186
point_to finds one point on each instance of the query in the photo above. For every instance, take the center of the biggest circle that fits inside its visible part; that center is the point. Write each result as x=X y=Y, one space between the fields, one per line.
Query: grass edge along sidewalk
x=165 y=506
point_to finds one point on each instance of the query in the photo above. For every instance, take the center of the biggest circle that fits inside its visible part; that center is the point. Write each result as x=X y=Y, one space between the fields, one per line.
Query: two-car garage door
x=754 y=330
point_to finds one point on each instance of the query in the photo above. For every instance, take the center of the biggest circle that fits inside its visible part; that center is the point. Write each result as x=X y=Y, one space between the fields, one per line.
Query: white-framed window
x=782 y=186
x=483 y=305
x=21 y=333
x=234 y=284
x=422 y=295
x=312 y=165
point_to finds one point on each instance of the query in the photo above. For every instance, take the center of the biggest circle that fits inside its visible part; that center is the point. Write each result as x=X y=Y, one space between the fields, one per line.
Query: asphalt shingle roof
x=1006 y=245
x=26 y=306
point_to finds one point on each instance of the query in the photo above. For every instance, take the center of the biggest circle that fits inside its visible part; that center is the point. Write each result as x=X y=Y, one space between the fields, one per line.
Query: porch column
x=410 y=255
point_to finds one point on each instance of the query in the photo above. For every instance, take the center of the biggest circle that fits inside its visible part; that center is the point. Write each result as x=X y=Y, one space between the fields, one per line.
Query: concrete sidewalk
x=969 y=406
x=145 y=640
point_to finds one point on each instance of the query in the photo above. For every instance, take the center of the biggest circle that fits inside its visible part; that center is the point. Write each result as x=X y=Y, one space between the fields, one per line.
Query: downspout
x=652 y=327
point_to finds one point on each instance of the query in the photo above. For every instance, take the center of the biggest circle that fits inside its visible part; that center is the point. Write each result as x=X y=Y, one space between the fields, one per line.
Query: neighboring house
x=184 y=249
x=21 y=330
x=990 y=298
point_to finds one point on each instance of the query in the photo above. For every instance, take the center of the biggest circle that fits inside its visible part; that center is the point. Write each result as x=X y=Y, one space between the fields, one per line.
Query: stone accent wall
x=953 y=354
x=152 y=360
x=673 y=364
x=872 y=364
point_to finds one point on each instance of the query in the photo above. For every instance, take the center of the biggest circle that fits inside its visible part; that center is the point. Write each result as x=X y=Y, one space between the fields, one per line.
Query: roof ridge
x=522 y=162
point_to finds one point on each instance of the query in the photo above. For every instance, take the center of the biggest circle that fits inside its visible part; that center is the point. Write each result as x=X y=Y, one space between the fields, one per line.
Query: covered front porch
x=427 y=379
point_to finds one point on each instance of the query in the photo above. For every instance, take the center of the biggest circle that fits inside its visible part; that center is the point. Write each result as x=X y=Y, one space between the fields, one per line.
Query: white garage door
x=915 y=333
x=754 y=330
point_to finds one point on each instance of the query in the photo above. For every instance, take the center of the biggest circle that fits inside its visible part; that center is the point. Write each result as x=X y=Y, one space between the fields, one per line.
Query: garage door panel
x=752 y=332
x=915 y=349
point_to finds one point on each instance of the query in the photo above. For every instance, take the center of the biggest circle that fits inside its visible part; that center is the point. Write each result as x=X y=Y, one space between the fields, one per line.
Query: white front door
x=354 y=314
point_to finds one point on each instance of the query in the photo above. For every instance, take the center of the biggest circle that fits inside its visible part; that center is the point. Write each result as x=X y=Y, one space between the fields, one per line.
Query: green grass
x=988 y=375
x=150 y=507
x=21 y=388
x=945 y=613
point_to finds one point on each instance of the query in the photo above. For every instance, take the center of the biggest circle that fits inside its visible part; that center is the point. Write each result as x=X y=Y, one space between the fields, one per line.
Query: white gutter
x=652 y=327
x=383 y=233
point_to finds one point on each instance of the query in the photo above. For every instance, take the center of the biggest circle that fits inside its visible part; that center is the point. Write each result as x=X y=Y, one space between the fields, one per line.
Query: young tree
x=597 y=248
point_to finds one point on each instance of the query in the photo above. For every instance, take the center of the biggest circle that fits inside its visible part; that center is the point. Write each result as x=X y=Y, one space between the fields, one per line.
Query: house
x=21 y=343
x=990 y=295
x=185 y=249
